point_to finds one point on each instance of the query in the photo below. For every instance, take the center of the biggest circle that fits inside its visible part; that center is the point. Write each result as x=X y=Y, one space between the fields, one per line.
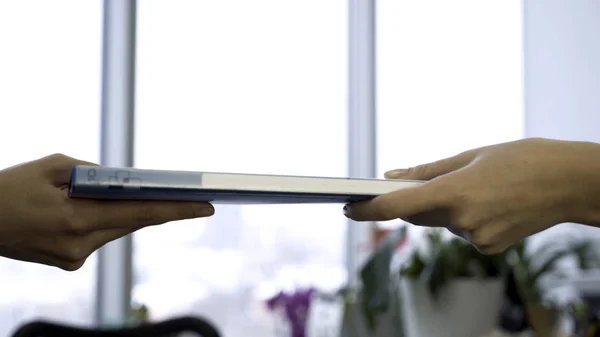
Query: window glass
x=449 y=78
x=50 y=102
x=249 y=87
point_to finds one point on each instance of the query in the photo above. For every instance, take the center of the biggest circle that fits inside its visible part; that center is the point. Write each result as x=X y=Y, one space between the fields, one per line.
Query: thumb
x=434 y=169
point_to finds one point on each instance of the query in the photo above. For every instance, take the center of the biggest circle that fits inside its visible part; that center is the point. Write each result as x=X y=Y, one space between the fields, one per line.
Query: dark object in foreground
x=166 y=328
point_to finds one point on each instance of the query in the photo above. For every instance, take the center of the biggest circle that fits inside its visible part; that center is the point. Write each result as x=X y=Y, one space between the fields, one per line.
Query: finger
x=399 y=204
x=94 y=215
x=435 y=169
x=439 y=217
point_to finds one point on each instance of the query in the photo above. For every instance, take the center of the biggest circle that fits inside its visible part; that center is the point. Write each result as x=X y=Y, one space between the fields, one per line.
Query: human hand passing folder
x=101 y=182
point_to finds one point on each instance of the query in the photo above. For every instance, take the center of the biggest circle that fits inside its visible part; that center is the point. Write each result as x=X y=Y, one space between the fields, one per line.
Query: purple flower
x=277 y=300
x=295 y=306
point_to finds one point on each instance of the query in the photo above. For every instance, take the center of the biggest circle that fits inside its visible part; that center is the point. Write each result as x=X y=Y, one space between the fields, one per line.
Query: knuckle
x=419 y=171
x=71 y=266
x=482 y=240
x=486 y=243
x=463 y=222
x=74 y=252
x=57 y=158
x=485 y=250
x=482 y=244
x=533 y=140
x=491 y=249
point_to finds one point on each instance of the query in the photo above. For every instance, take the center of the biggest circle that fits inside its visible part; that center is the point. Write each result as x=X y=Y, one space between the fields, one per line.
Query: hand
x=40 y=223
x=497 y=195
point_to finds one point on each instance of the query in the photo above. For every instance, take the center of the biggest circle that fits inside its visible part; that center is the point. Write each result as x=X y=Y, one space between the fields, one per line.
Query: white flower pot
x=465 y=308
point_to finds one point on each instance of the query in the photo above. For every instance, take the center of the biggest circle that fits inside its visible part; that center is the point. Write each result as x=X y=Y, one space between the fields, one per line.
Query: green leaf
x=414 y=268
x=434 y=272
x=451 y=259
x=585 y=255
x=519 y=249
x=434 y=275
x=548 y=248
x=549 y=264
x=397 y=306
x=375 y=276
x=369 y=315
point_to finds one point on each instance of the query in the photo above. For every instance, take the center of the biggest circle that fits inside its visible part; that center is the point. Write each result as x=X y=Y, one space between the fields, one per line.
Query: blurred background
x=278 y=86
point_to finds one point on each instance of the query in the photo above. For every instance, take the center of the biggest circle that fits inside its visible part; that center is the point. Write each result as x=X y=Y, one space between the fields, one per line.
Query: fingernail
x=347 y=211
x=395 y=173
x=204 y=211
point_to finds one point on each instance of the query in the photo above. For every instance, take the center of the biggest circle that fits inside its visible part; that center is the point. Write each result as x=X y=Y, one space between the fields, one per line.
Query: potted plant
x=450 y=289
x=379 y=293
x=451 y=286
x=530 y=267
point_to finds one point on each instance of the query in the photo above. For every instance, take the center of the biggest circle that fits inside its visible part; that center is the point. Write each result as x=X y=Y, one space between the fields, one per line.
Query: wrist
x=583 y=179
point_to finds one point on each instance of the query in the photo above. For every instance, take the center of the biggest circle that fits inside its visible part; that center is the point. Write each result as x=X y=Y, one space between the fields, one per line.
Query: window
x=241 y=86
x=449 y=78
x=50 y=87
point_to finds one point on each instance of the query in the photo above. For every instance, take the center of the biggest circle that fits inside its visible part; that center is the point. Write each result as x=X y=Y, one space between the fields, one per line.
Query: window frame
x=114 y=275
x=115 y=259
